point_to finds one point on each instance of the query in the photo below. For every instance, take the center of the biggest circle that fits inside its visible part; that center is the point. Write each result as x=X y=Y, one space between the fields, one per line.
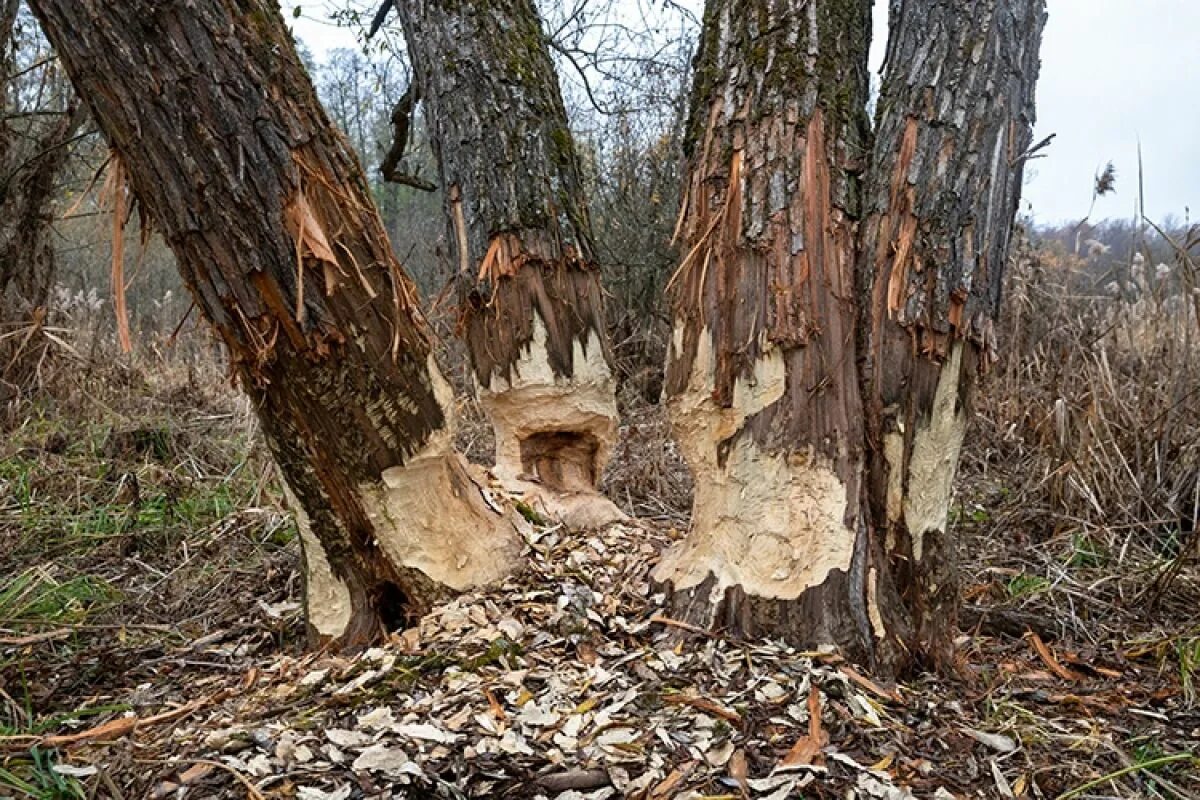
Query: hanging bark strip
x=954 y=129
x=762 y=379
x=270 y=218
x=532 y=309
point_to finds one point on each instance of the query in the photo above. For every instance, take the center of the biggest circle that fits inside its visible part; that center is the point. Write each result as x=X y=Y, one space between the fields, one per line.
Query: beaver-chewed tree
x=532 y=312
x=954 y=132
x=817 y=376
x=216 y=123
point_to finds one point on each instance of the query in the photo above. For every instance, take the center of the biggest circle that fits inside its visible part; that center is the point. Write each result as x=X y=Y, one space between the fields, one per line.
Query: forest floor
x=151 y=645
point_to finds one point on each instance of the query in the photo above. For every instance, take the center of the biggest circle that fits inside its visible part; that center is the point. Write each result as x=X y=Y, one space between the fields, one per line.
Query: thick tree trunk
x=533 y=315
x=816 y=379
x=269 y=215
x=762 y=378
x=31 y=159
x=955 y=124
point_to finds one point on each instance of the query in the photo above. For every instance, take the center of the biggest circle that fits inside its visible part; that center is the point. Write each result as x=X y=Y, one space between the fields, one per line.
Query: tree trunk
x=225 y=144
x=32 y=156
x=776 y=309
x=762 y=379
x=955 y=124
x=533 y=315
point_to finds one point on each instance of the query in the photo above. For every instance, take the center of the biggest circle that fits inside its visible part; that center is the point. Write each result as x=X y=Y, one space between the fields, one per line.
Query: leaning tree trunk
x=954 y=130
x=762 y=380
x=209 y=110
x=533 y=317
x=32 y=156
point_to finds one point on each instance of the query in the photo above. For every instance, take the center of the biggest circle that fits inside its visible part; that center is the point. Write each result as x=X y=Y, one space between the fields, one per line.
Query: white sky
x=1113 y=72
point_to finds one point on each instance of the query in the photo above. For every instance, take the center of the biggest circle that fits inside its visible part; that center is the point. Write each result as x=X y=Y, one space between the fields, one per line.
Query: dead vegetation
x=150 y=638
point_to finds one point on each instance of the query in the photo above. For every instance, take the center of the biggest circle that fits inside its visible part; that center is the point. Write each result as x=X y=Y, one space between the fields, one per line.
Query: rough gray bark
x=955 y=125
x=269 y=215
x=791 y=383
x=532 y=313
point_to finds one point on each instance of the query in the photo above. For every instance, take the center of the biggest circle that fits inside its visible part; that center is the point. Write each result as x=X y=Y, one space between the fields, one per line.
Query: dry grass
x=1080 y=485
x=137 y=512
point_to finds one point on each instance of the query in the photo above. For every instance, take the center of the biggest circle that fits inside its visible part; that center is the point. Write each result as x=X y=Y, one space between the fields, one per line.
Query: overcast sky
x=1113 y=72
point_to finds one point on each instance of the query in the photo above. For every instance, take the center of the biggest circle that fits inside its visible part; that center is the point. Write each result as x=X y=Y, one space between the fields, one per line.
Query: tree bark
x=208 y=108
x=762 y=380
x=31 y=159
x=955 y=123
x=532 y=314
x=811 y=352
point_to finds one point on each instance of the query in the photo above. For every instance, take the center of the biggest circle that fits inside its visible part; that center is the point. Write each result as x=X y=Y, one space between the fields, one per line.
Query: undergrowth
x=138 y=512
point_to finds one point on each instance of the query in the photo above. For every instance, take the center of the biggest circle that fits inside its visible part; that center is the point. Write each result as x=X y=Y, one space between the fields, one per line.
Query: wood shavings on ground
x=562 y=683
x=171 y=662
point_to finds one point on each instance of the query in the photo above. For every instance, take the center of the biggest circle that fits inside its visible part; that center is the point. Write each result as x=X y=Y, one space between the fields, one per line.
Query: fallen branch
x=35 y=638
x=709 y=706
x=687 y=626
x=576 y=779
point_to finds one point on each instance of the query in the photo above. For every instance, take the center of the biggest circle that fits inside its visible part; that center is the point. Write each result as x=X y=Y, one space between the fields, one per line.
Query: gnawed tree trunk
x=533 y=316
x=955 y=124
x=777 y=303
x=33 y=149
x=270 y=218
x=762 y=378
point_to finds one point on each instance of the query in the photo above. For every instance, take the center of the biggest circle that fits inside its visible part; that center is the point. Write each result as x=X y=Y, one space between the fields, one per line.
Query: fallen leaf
x=312 y=793
x=739 y=771
x=1002 y=785
x=75 y=772
x=667 y=785
x=389 y=760
x=870 y=685
x=426 y=732
x=345 y=738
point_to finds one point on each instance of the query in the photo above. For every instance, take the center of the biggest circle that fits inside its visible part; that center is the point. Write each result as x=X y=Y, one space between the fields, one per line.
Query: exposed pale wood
x=762 y=379
x=956 y=112
x=835 y=298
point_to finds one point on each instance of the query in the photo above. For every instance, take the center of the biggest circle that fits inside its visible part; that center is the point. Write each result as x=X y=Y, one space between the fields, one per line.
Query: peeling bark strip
x=533 y=315
x=956 y=119
x=762 y=375
x=269 y=216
